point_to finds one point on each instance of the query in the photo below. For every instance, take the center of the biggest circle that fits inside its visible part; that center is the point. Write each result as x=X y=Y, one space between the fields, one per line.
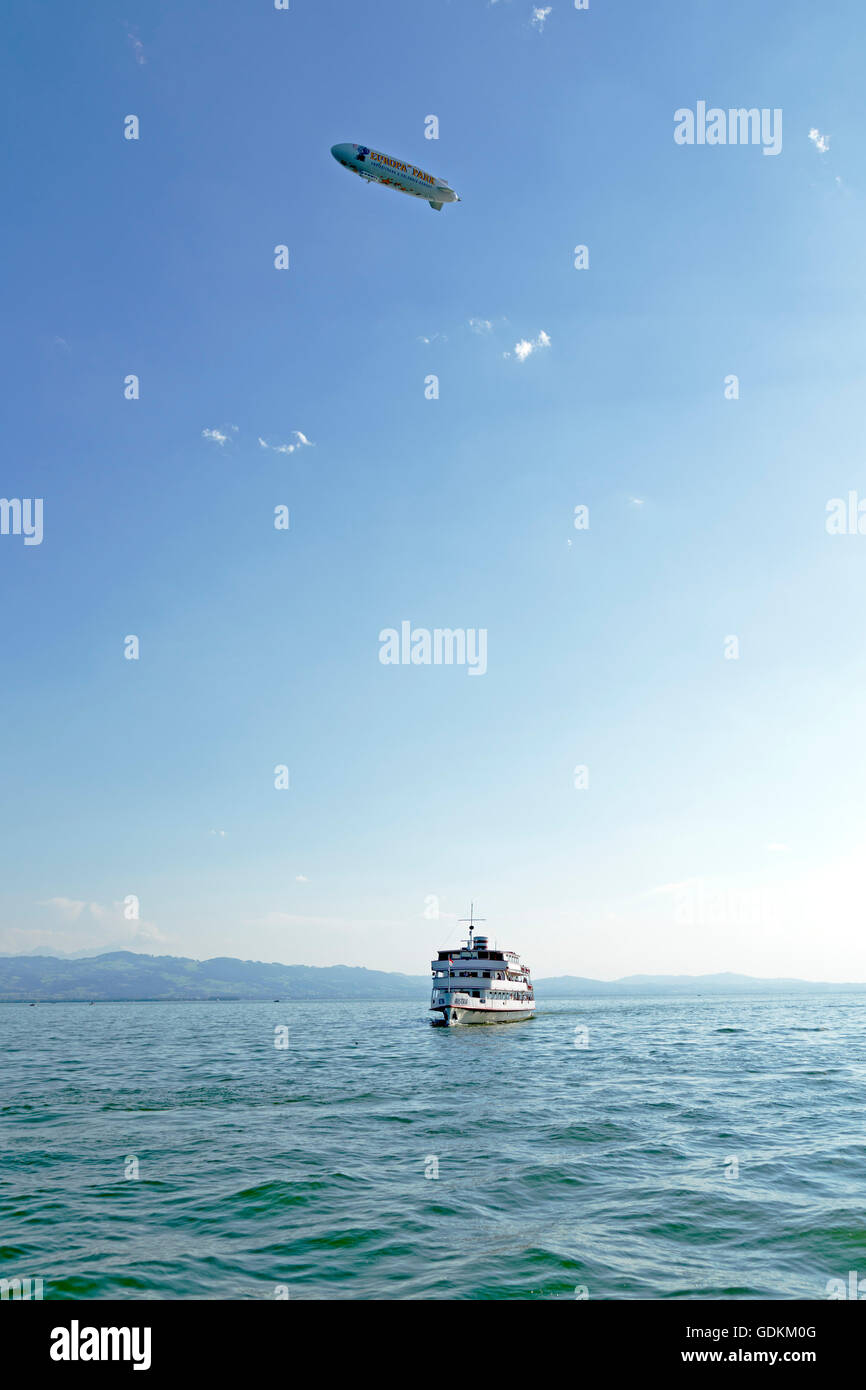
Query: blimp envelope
x=376 y=167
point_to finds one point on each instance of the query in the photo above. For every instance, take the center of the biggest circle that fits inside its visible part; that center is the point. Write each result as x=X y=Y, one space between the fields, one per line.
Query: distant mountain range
x=571 y=986
x=126 y=975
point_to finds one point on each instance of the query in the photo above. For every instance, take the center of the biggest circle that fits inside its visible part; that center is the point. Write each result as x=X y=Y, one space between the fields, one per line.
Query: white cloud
x=137 y=48
x=85 y=926
x=68 y=908
x=527 y=346
x=821 y=142
x=669 y=887
x=539 y=16
x=301 y=878
x=280 y=920
x=636 y=501
x=221 y=833
x=301 y=441
x=217 y=435
x=481 y=325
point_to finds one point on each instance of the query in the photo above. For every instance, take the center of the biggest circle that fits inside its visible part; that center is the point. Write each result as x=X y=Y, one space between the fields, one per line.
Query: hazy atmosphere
x=606 y=411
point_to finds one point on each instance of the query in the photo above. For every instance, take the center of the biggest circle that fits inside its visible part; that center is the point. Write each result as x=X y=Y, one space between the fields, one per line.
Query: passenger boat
x=480 y=984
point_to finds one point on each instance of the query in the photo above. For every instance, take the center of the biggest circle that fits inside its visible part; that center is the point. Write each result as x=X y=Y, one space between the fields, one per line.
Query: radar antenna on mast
x=472 y=919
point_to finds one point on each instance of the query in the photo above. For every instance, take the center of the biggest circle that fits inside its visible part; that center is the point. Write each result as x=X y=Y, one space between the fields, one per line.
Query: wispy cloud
x=539 y=16
x=137 y=48
x=291 y=919
x=220 y=833
x=300 y=441
x=67 y=908
x=301 y=878
x=527 y=346
x=482 y=328
x=669 y=888
x=218 y=436
x=821 y=142
x=77 y=925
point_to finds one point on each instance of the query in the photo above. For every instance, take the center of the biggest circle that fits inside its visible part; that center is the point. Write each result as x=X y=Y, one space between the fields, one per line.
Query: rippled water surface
x=559 y=1166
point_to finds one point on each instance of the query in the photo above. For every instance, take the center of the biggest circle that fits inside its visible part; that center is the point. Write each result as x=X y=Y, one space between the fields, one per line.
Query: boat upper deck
x=478 y=961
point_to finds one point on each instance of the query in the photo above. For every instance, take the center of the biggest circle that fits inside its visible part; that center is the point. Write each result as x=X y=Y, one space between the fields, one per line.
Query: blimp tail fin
x=436 y=206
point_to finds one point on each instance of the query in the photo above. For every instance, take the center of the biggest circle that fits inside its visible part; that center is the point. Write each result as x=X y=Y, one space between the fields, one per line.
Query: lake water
x=695 y=1148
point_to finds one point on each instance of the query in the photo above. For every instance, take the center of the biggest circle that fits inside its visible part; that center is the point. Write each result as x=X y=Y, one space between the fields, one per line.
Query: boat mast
x=471 y=919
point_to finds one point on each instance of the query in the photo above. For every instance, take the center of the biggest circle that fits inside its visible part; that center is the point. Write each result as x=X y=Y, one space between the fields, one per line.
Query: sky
x=662 y=767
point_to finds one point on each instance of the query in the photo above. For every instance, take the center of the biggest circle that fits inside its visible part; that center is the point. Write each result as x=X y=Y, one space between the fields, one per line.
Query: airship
x=395 y=173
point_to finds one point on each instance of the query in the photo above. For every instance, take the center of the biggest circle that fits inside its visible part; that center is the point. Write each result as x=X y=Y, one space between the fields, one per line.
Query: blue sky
x=724 y=822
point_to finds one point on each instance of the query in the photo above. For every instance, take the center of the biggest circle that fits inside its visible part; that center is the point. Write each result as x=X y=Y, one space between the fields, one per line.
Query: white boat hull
x=455 y=1014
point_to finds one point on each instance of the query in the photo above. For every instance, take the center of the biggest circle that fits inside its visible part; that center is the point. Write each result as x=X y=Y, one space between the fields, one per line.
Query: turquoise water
x=559 y=1167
